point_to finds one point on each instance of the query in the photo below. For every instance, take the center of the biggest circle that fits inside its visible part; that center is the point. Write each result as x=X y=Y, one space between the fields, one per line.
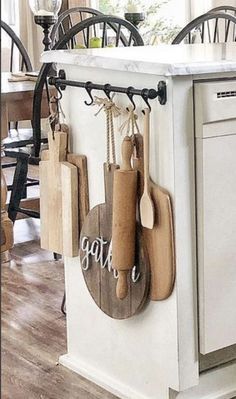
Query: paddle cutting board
x=58 y=198
x=159 y=241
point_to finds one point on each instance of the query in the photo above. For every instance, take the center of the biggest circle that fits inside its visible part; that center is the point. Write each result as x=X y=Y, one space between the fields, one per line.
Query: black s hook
x=89 y=89
x=60 y=93
x=107 y=90
x=131 y=95
x=145 y=97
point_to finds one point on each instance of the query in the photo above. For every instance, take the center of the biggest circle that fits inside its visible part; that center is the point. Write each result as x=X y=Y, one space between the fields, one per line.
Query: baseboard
x=218 y=383
x=94 y=375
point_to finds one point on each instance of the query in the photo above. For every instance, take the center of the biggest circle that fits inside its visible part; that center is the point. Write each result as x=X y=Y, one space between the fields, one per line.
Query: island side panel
x=99 y=347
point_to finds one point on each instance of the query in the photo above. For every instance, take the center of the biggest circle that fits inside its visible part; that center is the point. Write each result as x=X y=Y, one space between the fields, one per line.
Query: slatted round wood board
x=95 y=258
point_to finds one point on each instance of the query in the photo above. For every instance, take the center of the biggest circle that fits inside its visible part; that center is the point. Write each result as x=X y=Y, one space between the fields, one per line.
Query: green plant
x=154 y=29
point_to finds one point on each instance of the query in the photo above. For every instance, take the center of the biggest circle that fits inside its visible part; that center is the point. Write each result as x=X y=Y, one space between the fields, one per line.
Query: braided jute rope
x=111 y=111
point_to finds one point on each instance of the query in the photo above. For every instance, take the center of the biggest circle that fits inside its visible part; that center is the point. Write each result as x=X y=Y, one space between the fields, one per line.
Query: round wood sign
x=95 y=257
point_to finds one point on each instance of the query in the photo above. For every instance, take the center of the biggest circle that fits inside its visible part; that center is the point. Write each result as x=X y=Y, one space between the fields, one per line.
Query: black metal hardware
x=147 y=94
x=130 y=95
x=46 y=21
x=62 y=76
x=8 y=165
x=107 y=90
x=88 y=89
x=162 y=92
x=60 y=94
x=145 y=97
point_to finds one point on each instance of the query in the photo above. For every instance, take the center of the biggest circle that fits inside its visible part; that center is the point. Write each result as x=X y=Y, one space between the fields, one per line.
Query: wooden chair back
x=213 y=27
x=17 y=49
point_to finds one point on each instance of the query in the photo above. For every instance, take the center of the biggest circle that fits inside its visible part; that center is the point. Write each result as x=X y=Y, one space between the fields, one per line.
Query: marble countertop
x=167 y=60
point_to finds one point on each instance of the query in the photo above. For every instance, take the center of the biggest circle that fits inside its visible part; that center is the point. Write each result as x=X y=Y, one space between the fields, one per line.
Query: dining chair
x=228 y=9
x=212 y=27
x=17 y=60
x=17 y=49
x=68 y=19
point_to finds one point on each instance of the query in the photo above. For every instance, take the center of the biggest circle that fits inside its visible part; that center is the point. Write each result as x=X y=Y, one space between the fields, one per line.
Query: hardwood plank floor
x=33 y=327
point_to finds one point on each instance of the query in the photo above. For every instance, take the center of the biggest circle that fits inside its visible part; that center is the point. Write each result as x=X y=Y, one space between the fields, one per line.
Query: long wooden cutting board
x=58 y=198
x=159 y=241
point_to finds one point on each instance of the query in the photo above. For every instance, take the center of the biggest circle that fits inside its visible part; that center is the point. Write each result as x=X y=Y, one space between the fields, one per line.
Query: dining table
x=17 y=105
x=17 y=101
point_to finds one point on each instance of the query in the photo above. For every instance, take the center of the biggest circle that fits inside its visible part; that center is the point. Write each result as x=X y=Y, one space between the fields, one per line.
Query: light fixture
x=45 y=14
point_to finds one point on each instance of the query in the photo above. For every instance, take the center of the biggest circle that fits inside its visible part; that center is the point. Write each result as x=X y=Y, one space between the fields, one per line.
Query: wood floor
x=33 y=327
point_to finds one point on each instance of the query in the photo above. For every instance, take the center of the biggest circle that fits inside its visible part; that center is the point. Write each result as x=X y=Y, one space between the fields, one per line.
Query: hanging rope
x=112 y=111
x=56 y=115
x=130 y=124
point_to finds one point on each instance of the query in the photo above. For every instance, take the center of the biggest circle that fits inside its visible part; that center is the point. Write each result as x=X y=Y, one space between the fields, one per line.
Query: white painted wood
x=96 y=376
x=216 y=204
x=215 y=124
x=94 y=339
x=215 y=102
x=160 y=336
x=219 y=383
x=216 y=384
x=185 y=231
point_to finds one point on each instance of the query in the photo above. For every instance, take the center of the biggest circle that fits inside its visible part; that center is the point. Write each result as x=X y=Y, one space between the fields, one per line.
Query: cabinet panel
x=214 y=102
x=216 y=223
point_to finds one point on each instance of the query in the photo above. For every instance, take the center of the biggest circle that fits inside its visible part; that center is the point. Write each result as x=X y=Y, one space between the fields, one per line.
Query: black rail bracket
x=162 y=92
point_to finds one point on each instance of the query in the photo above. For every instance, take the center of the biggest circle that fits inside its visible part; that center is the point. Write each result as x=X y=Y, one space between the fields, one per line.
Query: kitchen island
x=172 y=347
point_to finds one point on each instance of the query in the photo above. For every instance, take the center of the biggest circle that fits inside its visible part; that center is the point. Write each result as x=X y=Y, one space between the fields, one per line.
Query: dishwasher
x=215 y=160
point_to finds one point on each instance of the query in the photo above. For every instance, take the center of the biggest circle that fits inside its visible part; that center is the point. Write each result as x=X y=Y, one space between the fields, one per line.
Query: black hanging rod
x=60 y=82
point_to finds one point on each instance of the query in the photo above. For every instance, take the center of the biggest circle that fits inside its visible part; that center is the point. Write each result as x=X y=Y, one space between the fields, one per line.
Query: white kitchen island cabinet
x=171 y=348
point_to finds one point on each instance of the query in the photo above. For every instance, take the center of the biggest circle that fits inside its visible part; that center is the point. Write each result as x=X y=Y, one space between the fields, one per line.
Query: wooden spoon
x=146 y=204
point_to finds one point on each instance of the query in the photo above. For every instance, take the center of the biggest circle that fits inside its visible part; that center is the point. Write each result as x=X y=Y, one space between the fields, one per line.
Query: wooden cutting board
x=95 y=257
x=159 y=241
x=58 y=198
x=80 y=161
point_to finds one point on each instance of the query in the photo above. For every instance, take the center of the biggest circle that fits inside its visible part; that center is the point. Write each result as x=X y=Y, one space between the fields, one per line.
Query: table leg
x=6 y=223
x=4 y=120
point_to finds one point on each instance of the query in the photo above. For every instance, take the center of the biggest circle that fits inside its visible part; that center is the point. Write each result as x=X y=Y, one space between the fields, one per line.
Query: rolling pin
x=124 y=218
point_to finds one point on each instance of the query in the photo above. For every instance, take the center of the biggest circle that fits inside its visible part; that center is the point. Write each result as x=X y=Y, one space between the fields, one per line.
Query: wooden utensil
x=146 y=204
x=159 y=241
x=95 y=257
x=124 y=218
x=58 y=211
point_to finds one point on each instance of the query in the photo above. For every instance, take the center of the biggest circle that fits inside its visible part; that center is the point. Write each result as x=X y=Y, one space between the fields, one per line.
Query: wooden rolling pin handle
x=124 y=217
x=122 y=285
x=127 y=149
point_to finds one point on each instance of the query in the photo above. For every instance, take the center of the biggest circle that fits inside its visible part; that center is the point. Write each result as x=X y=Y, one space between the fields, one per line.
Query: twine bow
x=56 y=110
x=130 y=124
x=112 y=111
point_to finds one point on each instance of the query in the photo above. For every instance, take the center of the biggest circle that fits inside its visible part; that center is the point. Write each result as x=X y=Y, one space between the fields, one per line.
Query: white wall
x=217 y=3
